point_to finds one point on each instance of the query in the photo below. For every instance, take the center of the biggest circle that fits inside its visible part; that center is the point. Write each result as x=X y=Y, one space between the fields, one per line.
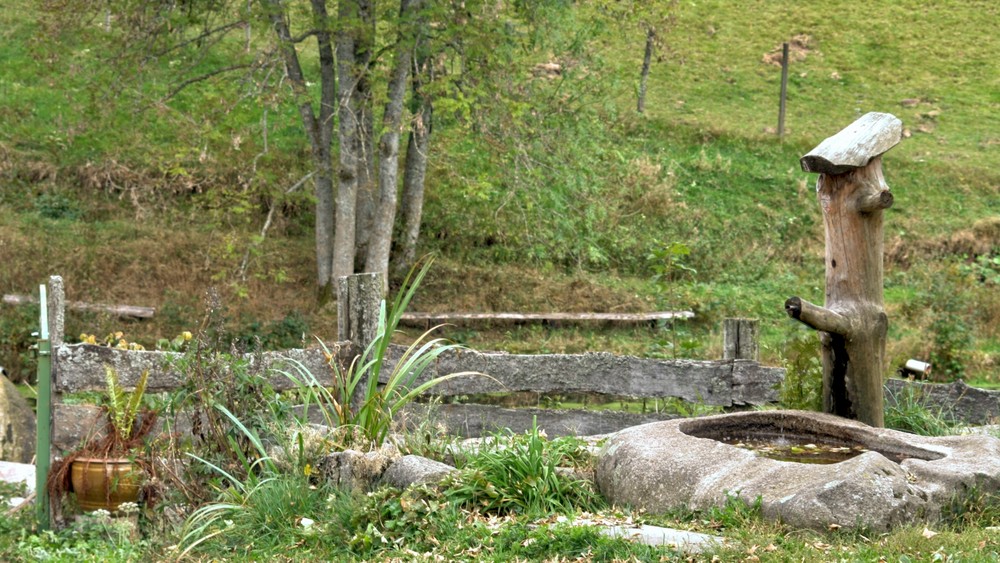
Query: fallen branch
x=27 y=500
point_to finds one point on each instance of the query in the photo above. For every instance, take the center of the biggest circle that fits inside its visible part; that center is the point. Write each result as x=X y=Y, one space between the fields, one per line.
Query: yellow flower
x=186 y=335
x=307 y=470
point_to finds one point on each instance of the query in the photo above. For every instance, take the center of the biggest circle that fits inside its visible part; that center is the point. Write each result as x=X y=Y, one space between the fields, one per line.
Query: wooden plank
x=76 y=423
x=453 y=318
x=118 y=310
x=708 y=382
x=80 y=367
x=740 y=339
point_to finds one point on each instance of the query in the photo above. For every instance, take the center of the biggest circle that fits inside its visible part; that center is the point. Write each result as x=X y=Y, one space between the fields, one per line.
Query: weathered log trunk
x=740 y=339
x=853 y=323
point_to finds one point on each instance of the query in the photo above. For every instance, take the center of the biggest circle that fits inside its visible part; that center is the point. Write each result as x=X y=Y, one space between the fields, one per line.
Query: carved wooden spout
x=852 y=323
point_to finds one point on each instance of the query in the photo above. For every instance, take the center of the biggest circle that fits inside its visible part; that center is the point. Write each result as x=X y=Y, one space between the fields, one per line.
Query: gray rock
x=357 y=471
x=902 y=478
x=12 y=472
x=956 y=400
x=414 y=469
x=681 y=540
x=17 y=425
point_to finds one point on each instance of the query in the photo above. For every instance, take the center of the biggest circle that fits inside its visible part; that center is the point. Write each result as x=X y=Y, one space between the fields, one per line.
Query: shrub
x=803 y=385
x=57 y=206
x=220 y=387
x=419 y=518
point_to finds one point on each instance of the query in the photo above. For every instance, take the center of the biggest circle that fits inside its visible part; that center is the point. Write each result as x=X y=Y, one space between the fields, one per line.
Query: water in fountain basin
x=784 y=450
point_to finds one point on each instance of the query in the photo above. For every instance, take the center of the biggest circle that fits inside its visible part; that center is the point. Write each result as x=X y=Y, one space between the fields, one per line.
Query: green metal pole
x=43 y=425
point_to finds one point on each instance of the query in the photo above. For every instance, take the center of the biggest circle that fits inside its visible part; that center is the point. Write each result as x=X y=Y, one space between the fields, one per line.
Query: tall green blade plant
x=123 y=407
x=384 y=394
x=204 y=523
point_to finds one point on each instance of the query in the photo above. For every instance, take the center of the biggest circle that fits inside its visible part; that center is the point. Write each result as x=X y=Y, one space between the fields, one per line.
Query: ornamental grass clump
x=368 y=393
x=523 y=474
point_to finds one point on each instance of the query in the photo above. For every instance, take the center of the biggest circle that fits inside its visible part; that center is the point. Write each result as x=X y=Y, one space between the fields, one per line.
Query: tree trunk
x=414 y=172
x=319 y=131
x=367 y=197
x=417 y=147
x=350 y=39
x=853 y=324
x=385 y=215
x=647 y=60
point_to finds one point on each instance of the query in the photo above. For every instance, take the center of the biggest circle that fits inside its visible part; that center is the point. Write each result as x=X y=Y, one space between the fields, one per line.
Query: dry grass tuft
x=982 y=238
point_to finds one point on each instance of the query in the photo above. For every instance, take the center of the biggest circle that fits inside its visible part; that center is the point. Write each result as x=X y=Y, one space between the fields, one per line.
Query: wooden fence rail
x=733 y=382
x=133 y=311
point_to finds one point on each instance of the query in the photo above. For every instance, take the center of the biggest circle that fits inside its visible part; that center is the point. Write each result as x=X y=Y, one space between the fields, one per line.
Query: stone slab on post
x=741 y=339
x=852 y=325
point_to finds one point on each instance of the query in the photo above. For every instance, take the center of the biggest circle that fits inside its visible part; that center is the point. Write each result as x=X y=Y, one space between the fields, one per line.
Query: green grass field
x=563 y=201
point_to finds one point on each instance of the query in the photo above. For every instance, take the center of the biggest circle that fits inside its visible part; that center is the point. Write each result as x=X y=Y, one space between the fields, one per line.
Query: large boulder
x=414 y=469
x=357 y=471
x=17 y=425
x=901 y=477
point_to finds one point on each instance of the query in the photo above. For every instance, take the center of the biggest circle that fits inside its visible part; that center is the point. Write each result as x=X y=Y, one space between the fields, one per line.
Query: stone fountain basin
x=902 y=478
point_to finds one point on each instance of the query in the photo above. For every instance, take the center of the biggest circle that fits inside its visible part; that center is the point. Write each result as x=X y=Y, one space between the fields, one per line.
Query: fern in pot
x=110 y=468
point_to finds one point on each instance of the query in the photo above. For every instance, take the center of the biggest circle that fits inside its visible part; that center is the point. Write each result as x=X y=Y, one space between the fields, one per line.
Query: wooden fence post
x=784 y=91
x=852 y=325
x=57 y=311
x=740 y=339
x=359 y=298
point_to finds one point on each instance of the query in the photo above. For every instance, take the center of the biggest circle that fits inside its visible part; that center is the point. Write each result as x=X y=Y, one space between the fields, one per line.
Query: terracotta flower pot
x=105 y=483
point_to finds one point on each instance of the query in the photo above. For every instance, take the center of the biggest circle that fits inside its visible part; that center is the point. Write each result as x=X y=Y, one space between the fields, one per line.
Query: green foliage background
x=545 y=190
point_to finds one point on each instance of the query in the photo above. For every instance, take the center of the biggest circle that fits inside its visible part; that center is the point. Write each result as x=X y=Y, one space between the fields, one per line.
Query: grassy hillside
x=567 y=200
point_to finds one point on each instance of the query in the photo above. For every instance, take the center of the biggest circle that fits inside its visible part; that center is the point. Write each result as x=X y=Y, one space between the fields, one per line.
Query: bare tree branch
x=220 y=29
x=304 y=36
x=203 y=77
x=267 y=224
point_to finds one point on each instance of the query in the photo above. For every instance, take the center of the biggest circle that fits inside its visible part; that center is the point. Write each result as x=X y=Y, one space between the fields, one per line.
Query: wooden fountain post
x=852 y=325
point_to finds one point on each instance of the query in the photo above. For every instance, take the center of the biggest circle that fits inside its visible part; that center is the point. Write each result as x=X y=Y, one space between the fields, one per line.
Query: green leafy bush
x=419 y=518
x=803 y=384
x=951 y=342
x=57 y=206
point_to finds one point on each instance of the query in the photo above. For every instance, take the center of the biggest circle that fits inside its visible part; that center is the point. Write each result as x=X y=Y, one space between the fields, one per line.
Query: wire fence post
x=784 y=91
